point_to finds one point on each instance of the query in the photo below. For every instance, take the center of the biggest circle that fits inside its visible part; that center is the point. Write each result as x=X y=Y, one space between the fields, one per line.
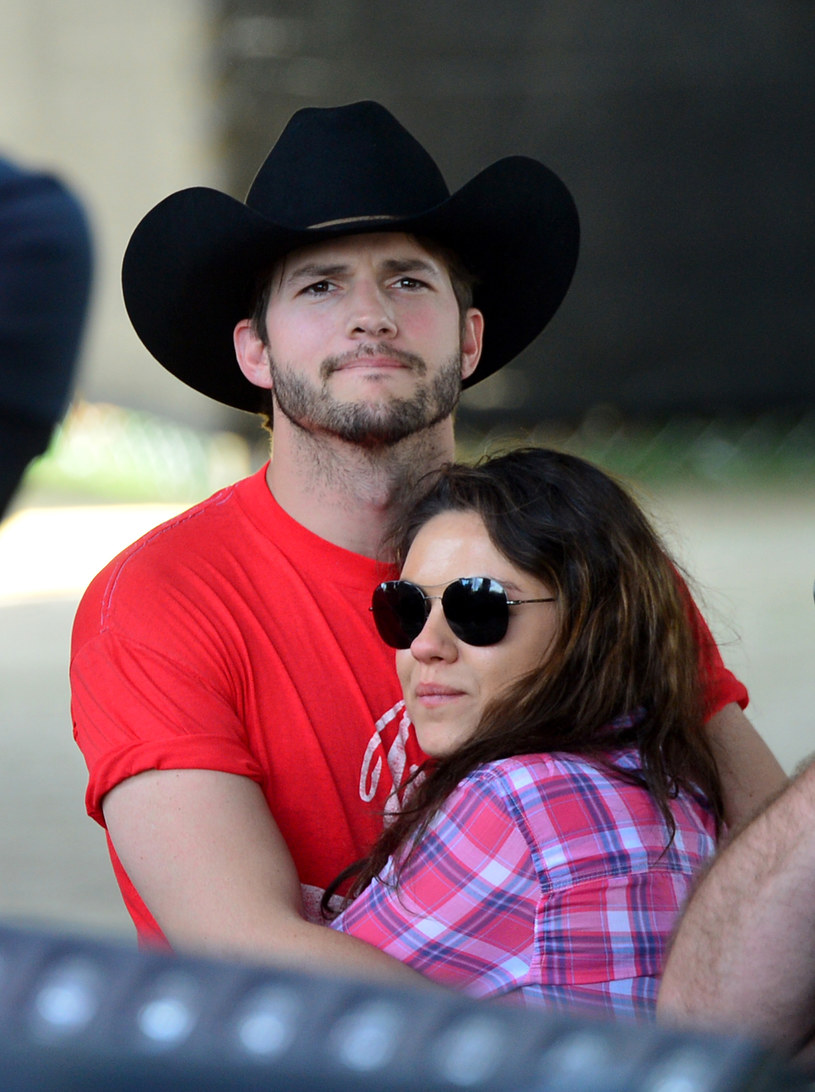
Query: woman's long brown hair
x=625 y=643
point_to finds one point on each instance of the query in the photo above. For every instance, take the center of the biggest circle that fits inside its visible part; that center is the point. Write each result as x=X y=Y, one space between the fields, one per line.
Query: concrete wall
x=682 y=137
x=118 y=98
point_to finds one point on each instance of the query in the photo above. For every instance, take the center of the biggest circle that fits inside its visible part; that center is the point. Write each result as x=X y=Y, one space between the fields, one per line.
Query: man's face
x=365 y=339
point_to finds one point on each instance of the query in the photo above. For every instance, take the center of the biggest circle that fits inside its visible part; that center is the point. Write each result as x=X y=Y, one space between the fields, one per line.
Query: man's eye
x=409 y=282
x=319 y=288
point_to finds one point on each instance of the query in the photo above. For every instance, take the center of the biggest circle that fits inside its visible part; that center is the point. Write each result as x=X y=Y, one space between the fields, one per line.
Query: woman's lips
x=434 y=694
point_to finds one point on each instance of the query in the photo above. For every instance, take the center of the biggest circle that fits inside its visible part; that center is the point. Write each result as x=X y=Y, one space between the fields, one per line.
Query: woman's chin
x=438 y=739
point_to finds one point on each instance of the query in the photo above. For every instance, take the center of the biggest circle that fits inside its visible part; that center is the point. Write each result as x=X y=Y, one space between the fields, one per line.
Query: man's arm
x=206 y=856
x=750 y=773
x=744 y=954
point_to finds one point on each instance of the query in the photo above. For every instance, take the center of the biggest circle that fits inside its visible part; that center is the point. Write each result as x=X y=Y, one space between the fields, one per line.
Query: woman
x=549 y=666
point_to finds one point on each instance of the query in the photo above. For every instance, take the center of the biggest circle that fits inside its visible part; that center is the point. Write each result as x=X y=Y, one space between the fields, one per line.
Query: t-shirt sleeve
x=720 y=686
x=135 y=710
x=464 y=911
x=152 y=684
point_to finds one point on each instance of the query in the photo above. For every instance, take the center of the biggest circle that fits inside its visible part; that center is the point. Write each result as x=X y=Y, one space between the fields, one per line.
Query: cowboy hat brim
x=191 y=269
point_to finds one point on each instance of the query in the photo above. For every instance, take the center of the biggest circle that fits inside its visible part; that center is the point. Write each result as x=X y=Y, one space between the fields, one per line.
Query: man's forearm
x=744 y=954
x=282 y=938
x=207 y=857
x=750 y=773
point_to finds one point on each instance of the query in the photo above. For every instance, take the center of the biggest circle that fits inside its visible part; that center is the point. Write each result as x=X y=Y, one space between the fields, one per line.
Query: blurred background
x=682 y=358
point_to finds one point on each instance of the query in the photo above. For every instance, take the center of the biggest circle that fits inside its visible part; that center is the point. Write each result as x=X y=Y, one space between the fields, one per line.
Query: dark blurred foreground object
x=82 y=1014
x=45 y=279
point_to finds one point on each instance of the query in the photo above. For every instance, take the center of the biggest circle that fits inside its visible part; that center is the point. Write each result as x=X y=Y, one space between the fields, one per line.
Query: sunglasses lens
x=476 y=610
x=400 y=612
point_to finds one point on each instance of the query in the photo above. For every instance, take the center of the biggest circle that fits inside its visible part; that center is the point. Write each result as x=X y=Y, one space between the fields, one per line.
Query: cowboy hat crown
x=192 y=266
x=374 y=169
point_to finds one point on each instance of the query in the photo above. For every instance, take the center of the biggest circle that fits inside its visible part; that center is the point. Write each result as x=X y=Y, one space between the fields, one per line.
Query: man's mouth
x=373 y=357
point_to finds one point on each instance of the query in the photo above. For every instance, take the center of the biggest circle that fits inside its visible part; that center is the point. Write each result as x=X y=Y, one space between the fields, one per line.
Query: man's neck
x=347 y=494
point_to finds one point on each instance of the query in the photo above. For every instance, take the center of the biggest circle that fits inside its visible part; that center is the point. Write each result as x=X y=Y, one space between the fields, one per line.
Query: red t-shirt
x=231 y=638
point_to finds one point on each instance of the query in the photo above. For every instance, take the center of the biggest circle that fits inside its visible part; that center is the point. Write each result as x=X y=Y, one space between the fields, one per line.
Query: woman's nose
x=436 y=641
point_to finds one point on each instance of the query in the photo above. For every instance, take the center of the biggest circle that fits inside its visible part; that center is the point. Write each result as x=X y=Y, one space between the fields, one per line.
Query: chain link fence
x=107 y=453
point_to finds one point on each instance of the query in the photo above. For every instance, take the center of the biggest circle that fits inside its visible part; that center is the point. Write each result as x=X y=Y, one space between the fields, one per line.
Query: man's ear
x=252 y=355
x=472 y=340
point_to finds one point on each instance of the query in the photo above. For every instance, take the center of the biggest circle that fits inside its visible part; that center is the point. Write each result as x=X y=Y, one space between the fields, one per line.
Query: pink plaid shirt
x=546 y=878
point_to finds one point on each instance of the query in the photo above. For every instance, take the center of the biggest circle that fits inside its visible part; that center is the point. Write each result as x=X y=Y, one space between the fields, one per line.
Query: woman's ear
x=252 y=354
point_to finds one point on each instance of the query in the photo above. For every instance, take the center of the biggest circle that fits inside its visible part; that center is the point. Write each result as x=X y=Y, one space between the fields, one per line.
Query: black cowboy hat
x=191 y=268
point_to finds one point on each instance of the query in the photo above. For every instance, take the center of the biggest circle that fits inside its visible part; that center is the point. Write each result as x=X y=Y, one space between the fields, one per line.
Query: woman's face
x=446 y=683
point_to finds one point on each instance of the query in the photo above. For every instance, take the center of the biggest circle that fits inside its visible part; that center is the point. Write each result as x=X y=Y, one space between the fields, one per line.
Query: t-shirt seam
x=106 y=606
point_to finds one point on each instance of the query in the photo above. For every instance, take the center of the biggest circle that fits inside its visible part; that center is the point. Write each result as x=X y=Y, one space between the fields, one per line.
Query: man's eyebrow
x=315 y=271
x=318 y=271
x=410 y=265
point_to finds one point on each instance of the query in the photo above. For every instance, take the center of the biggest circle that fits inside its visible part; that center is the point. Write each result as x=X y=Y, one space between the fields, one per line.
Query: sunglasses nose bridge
x=435 y=639
x=429 y=600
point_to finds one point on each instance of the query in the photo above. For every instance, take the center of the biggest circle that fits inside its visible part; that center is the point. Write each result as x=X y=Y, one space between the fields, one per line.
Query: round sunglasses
x=476 y=609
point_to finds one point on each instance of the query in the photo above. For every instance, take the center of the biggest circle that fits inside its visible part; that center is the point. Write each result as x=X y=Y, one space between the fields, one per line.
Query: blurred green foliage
x=107 y=453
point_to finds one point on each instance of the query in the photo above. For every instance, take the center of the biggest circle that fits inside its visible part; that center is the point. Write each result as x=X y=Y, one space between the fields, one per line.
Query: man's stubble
x=368 y=424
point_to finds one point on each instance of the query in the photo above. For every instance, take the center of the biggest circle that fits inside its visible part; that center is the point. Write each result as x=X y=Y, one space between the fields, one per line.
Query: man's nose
x=371 y=313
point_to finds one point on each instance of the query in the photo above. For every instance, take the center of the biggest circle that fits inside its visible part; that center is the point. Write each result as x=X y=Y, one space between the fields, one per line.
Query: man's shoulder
x=200 y=544
x=195 y=530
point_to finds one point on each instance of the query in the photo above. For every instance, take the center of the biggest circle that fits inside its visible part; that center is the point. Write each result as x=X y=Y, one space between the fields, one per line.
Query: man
x=744 y=956
x=241 y=721
x=45 y=280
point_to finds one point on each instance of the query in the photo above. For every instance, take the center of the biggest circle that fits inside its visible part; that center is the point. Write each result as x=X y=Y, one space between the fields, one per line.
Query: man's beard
x=377 y=424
